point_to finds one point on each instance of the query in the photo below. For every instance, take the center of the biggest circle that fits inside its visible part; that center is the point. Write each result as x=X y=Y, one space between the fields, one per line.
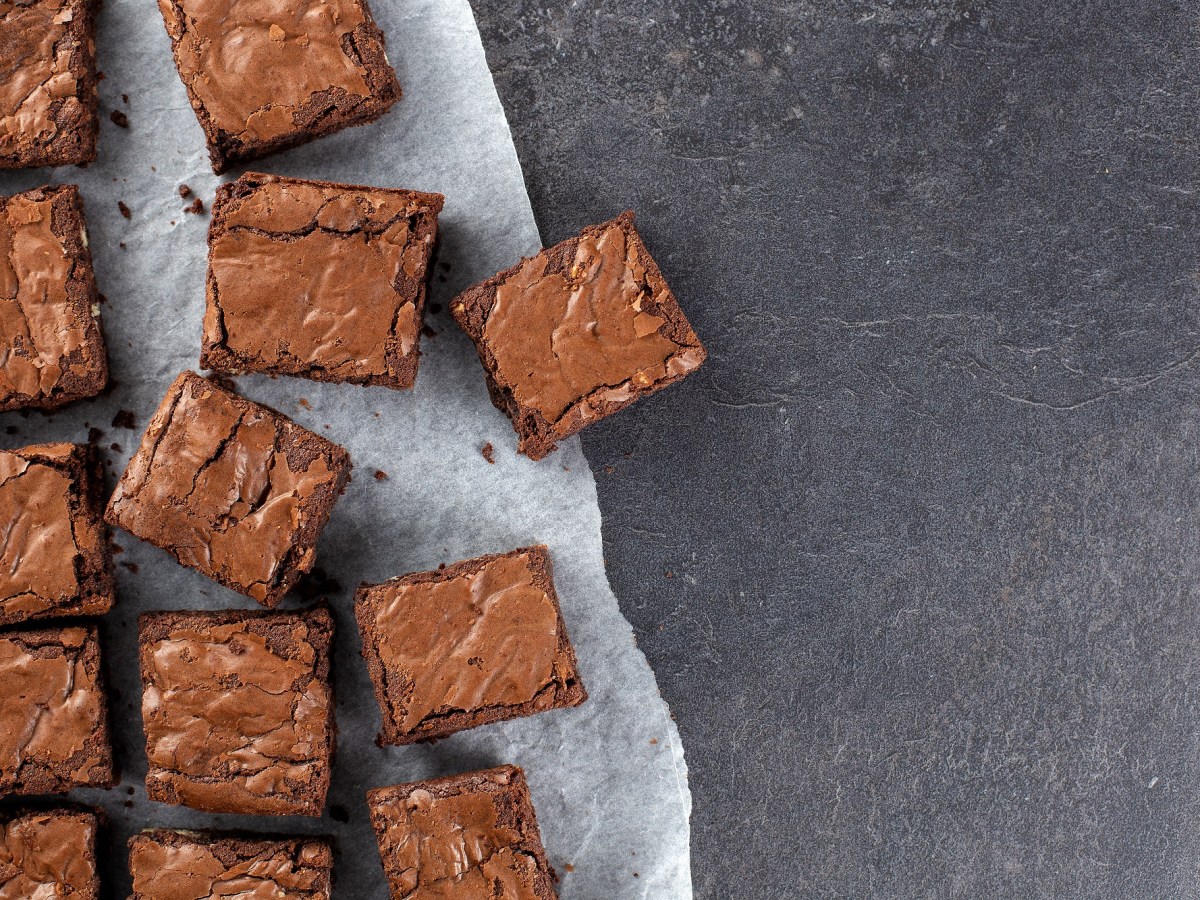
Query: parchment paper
x=608 y=778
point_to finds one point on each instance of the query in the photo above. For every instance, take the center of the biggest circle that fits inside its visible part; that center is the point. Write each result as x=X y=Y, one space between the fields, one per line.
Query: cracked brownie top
x=461 y=838
x=49 y=853
x=319 y=280
x=238 y=710
x=51 y=349
x=53 y=714
x=231 y=488
x=267 y=74
x=47 y=83
x=173 y=865
x=577 y=332
x=55 y=557
x=478 y=642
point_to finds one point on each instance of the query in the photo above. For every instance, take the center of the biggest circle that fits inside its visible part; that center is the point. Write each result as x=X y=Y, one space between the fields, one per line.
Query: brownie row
x=474 y=643
x=290 y=74
x=328 y=281
x=476 y=831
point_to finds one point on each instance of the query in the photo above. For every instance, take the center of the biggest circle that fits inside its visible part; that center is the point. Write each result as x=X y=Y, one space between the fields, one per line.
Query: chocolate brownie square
x=170 y=865
x=55 y=555
x=577 y=332
x=318 y=280
x=477 y=642
x=466 y=837
x=238 y=710
x=49 y=853
x=51 y=349
x=47 y=83
x=53 y=713
x=264 y=75
x=230 y=488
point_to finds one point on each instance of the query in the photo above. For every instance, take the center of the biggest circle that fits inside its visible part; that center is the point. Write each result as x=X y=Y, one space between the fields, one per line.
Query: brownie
x=55 y=555
x=53 y=713
x=49 y=853
x=263 y=75
x=231 y=488
x=238 y=709
x=477 y=642
x=466 y=837
x=51 y=348
x=47 y=83
x=577 y=332
x=183 y=865
x=319 y=280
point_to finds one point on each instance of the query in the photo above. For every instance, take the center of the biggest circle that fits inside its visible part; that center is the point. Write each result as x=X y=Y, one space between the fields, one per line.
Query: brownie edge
x=249 y=509
x=220 y=864
x=576 y=333
x=49 y=852
x=494 y=805
x=479 y=642
x=238 y=709
x=56 y=558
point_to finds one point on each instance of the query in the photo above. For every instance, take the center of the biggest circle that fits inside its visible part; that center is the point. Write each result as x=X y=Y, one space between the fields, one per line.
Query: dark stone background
x=915 y=555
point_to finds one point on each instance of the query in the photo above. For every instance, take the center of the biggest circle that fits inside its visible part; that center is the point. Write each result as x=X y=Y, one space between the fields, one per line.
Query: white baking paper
x=608 y=778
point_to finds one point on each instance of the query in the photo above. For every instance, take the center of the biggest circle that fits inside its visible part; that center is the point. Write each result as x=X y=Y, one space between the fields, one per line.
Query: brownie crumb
x=121 y=245
x=123 y=419
x=303 y=401
x=185 y=191
x=434 y=308
x=123 y=208
x=380 y=475
x=429 y=332
x=196 y=207
x=488 y=453
x=94 y=434
x=114 y=447
x=441 y=566
x=132 y=567
x=11 y=429
x=567 y=867
x=125 y=99
x=119 y=118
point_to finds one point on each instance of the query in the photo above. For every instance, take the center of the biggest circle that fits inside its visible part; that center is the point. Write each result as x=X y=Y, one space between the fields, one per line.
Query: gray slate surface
x=915 y=556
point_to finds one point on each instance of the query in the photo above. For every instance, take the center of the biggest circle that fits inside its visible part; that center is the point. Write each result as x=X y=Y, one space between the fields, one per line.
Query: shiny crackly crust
x=566 y=690
x=88 y=819
x=89 y=374
x=299 y=446
x=35 y=777
x=537 y=436
x=325 y=113
x=247 y=859
x=274 y=627
x=215 y=353
x=74 y=142
x=93 y=570
x=505 y=784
